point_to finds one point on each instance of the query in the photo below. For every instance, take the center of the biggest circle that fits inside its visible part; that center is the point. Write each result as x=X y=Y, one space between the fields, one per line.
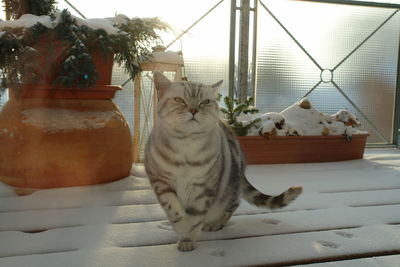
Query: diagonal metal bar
x=359 y=111
x=290 y=35
x=74 y=8
x=383 y=4
x=126 y=81
x=194 y=24
x=366 y=39
x=312 y=89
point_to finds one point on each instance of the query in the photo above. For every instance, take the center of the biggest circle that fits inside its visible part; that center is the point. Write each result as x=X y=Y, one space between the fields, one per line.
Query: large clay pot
x=52 y=136
x=46 y=143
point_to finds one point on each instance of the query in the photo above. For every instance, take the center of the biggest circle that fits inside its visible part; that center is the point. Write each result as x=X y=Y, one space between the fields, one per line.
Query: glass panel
x=205 y=51
x=328 y=35
x=3 y=98
x=124 y=97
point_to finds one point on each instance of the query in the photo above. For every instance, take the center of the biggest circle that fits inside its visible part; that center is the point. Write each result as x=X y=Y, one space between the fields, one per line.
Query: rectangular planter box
x=301 y=149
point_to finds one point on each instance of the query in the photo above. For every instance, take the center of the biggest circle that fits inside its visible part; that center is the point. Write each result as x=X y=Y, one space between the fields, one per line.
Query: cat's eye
x=179 y=100
x=206 y=102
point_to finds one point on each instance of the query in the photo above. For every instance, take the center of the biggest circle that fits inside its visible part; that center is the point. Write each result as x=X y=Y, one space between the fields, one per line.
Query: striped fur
x=195 y=163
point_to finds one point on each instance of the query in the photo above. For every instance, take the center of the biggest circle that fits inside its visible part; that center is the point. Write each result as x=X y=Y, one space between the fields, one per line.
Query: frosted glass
x=206 y=48
x=3 y=98
x=329 y=33
x=124 y=98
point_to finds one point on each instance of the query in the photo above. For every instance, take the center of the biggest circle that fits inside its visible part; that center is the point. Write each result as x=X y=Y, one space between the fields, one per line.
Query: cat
x=195 y=164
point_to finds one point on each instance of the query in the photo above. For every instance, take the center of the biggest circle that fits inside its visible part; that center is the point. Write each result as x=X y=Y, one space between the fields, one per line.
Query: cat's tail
x=255 y=197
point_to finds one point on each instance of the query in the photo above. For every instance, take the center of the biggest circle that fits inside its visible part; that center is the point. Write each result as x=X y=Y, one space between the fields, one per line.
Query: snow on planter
x=29 y=20
x=52 y=120
x=302 y=119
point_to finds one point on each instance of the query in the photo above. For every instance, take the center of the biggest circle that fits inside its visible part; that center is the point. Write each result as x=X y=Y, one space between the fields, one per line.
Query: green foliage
x=35 y=7
x=233 y=108
x=134 y=47
x=130 y=46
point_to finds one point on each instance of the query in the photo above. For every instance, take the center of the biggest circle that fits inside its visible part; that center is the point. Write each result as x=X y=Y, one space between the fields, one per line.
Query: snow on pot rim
x=29 y=20
x=27 y=41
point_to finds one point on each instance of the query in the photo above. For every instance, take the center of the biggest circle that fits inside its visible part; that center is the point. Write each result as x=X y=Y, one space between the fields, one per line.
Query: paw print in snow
x=328 y=244
x=270 y=221
x=344 y=234
x=218 y=253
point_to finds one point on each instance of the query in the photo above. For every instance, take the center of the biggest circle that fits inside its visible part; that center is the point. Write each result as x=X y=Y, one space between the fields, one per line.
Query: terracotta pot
x=301 y=149
x=52 y=52
x=49 y=64
x=51 y=136
x=46 y=64
x=48 y=143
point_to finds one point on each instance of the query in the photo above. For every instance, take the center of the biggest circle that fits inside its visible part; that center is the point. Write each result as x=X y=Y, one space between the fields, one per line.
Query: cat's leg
x=186 y=221
x=195 y=213
x=197 y=207
x=220 y=215
x=168 y=200
x=217 y=224
x=187 y=240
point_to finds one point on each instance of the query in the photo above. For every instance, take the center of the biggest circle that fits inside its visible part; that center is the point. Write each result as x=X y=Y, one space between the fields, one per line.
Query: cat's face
x=186 y=107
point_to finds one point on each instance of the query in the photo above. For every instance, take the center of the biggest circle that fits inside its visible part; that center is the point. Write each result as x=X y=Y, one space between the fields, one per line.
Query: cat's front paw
x=181 y=226
x=186 y=245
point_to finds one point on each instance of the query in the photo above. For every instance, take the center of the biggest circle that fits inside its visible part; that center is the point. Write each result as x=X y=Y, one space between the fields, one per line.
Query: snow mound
x=169 y=57
x=28 y=20
x=302 y=118
x=53 y=120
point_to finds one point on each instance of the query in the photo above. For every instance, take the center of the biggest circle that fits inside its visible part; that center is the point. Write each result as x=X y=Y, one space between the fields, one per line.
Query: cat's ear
x=161 y=83
x=215 y=87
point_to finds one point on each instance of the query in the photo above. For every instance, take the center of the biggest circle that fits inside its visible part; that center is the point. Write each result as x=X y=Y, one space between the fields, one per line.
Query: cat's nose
x=193 y=111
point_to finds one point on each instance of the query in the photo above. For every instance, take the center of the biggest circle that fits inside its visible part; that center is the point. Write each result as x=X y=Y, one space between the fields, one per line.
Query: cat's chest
x=188 y=150
x=194 y=160
x=192 y=150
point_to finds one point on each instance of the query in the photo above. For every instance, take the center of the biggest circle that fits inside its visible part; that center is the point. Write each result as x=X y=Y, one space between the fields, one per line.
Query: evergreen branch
x=130 y=47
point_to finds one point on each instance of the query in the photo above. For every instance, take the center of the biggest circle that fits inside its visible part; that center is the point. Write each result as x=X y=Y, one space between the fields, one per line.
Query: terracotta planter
x=51 y=55
x=51 y=136
x=48 y=143
x=53 y=52
x=301 y=149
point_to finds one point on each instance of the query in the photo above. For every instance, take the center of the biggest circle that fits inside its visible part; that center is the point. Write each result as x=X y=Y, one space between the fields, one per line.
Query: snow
x=169 y=57
x=53 y=120
x=99 y=23
x=302 y=118
x=347 y=209
x=28 y=20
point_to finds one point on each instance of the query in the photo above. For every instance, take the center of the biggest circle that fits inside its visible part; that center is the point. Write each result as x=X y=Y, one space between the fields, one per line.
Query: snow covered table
x=348 y=215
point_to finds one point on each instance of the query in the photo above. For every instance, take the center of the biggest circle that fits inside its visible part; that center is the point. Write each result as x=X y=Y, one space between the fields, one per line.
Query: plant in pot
x=233 y=109
x=298 y=134
x=60 y=126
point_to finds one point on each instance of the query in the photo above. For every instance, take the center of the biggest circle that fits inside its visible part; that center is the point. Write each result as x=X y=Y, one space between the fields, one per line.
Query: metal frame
x=396 y=124
x=243 y=64
x=232 y=47
x=355 y=3
x=243 y=49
